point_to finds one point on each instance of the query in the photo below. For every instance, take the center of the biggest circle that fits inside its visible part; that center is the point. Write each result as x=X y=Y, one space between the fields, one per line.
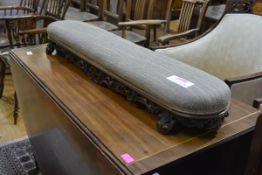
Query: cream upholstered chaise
x=232 y=52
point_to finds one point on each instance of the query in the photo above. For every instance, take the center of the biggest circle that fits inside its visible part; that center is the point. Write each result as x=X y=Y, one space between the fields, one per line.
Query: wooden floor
x=9 y=131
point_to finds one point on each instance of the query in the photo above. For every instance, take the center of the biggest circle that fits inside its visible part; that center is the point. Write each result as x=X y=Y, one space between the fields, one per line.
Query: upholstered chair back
x=231 y=50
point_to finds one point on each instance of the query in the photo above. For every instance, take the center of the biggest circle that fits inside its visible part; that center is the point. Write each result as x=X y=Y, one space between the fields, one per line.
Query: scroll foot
x=50 y=48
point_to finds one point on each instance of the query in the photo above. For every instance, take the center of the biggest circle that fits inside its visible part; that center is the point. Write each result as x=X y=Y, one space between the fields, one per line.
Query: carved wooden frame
x=167 y=121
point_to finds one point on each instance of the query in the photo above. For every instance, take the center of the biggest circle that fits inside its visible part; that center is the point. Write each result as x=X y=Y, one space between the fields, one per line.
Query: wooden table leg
x=148 y=36
x=8 y=29
x=83 y=5
x=2 y=76
x=16 y=108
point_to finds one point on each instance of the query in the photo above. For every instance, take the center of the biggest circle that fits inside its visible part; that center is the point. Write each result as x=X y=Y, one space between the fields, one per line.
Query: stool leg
x=16 y=109
x=2 y=76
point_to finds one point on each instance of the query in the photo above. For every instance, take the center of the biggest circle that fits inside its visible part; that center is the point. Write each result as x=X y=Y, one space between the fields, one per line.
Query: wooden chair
x=139 y=17
x=257 y=7
x=33 y=4
x=111 y=15
x=56 y=8
x=11 y=14
x=37 y=30
x=79 y=3
x=181 y=28
x=90 y=10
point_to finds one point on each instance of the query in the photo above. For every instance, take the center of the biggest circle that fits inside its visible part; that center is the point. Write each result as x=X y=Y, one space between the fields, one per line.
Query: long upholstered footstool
x=178 y=94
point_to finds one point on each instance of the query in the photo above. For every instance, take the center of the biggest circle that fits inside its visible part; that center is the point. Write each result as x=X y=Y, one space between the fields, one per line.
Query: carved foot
x=50 y=48
x=215 y=124
x=166 y=123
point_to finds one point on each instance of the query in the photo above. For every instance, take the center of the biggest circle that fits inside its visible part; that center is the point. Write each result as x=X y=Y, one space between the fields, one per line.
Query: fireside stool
x=231 y=51
x=178 y=94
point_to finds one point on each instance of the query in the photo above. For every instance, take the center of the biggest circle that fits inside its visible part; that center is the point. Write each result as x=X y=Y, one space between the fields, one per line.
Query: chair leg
x=2 y=77
x=155 y=33
x=16 y=109
x=148 y=33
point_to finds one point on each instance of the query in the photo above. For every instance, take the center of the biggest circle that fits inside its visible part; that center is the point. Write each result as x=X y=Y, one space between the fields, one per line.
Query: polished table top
x=128 y=133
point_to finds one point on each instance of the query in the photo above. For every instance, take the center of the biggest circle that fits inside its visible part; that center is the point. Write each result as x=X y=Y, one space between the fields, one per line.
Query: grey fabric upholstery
x=145 y=70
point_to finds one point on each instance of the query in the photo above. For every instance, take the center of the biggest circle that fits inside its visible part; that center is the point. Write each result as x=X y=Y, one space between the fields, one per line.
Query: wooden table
x=79 y=127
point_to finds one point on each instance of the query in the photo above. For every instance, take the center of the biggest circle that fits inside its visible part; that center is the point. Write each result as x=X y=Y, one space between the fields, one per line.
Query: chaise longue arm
x=251 y=85
x=241 y=79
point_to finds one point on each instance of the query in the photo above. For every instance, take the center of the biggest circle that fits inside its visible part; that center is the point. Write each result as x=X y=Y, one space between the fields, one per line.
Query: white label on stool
x=180 y=81
x=29 y=53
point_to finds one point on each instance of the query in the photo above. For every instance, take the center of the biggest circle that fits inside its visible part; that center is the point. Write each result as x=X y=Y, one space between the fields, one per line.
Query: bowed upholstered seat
x=177 y=93
x=231 y=51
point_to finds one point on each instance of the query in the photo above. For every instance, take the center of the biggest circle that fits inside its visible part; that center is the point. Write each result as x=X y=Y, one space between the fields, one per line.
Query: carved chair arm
x=34 y=18
x=148 y=24
x=34 y=31
x=151 y=22
x=30 y=30
x=168 y=37
x=30 y=16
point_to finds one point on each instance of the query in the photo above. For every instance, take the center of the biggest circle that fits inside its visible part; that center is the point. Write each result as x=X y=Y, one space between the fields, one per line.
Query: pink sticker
x=127 y=158
x=180 y=81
